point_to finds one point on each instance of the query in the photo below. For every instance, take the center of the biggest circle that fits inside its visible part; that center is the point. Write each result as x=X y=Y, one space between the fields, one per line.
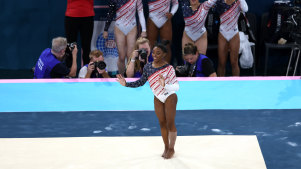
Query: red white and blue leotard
x=229 y=17
x=151 y=74
x=125 y=11
x=195 y=20
x=158 y=9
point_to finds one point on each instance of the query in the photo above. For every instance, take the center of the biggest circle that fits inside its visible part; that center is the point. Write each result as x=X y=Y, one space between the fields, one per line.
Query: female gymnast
x=164 y=84
x=125 y=27
x=159 y=21
x=195 y=15
x=228 y=37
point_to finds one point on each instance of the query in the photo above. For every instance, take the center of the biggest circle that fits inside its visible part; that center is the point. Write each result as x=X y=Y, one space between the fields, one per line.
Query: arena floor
x=221 y=122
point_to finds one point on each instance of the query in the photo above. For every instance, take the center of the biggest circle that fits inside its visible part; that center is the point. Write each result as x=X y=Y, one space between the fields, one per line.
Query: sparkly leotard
x=151 y=74
x=158 y=9
x=195 y=20
x=125 y=11
x=229 y=16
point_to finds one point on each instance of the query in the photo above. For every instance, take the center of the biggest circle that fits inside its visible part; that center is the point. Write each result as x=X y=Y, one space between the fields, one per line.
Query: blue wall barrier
x=78 y=94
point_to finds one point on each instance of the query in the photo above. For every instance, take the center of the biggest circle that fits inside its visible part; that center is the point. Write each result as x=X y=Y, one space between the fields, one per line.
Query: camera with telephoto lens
x=68 y=54
x=100 y=65
x=182 y=71
x=142 y=53
x=71 y=45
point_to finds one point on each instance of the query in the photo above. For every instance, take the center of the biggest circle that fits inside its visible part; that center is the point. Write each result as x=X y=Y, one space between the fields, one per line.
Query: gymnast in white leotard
x=228 y=38
x=158 y=9
x=195 y=15
x=163 y=82
x=159 y=21
x=229 y=18
x=125 y=26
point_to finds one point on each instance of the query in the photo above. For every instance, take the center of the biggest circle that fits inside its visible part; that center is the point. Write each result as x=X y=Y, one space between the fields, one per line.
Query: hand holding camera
x=134 y=55
x=101 y=65
x=97 y=66
x=73 y=48
x=182 y=71
x=70 y=54
x=143 y=54
x=91 y=67
x=140 y=54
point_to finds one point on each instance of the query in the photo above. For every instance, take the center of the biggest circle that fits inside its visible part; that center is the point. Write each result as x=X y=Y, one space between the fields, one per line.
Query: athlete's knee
x=171 y=125
x=163 y=123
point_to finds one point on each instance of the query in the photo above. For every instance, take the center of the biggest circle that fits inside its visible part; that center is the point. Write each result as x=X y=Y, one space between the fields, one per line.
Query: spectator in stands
x=195 y=14
x=140 y=56
x=96 y=67
x=50 y=63
x=196 y=65
x=125 y=27
x=164 y=84
x=228 y=37
x=79 y=19
x=159 y=22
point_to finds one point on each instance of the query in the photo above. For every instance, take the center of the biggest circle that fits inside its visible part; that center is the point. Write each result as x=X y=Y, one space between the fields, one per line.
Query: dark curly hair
x=162 y=45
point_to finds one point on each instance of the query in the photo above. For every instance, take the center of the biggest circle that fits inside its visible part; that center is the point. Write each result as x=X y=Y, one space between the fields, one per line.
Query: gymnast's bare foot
x=170 y=153
x=164 y=153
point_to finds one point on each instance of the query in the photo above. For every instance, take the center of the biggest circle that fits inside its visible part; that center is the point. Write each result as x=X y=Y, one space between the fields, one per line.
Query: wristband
x=133 y=60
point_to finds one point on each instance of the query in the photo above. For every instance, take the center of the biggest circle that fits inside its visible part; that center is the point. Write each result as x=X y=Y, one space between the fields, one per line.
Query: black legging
x=84 y=26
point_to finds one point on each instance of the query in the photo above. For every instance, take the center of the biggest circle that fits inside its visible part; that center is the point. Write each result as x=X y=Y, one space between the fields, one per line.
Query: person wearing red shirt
x=79 y=18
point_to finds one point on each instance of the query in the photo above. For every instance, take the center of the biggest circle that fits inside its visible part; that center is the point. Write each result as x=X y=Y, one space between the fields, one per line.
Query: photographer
x=50 y=63
x=139 y=58
x=196 y=65
x=96 y=67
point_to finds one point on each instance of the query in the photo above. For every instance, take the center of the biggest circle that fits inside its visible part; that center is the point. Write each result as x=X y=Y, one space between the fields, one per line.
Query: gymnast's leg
x=170 y=106
x=234 y=53
x=202 y=44
x=159 y=109
x=166 y=34
x=186 y=39
x=131 y=38
x=152 y=32
x=223 y=49
x=121 y=46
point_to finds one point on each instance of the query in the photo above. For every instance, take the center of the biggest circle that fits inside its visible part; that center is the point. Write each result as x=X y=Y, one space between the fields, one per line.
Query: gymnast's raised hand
x=121 y=79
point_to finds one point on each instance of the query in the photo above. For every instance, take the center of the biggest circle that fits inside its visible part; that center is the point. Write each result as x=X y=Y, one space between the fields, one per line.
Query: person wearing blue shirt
x=50 y=63
x=196 y=65
x=137 y=61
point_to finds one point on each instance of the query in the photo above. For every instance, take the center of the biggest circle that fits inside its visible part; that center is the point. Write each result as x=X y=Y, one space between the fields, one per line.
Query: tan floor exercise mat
x=192 y=152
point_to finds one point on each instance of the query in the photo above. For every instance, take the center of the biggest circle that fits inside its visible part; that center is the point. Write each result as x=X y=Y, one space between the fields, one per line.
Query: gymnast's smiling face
x=158 y=54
